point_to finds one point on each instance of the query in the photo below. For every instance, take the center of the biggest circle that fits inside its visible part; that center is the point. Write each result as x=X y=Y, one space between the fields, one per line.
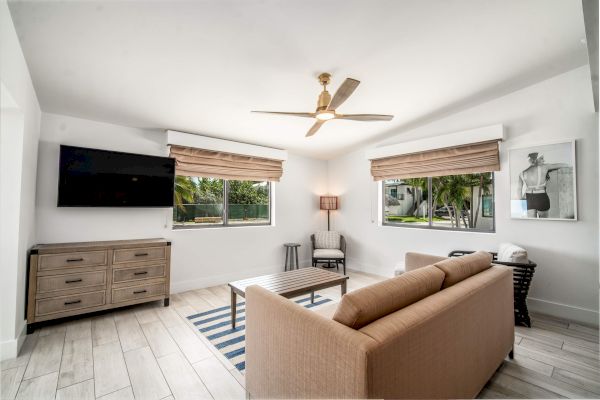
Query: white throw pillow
x=509 y=252
x=327 y=240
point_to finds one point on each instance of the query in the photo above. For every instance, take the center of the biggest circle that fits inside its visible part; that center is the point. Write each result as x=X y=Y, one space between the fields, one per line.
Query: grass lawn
x=411 y=219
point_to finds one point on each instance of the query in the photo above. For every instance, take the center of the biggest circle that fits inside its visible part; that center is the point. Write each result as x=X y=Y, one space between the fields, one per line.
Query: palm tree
x=184 y=191
x=484 y=182
x=416 y=183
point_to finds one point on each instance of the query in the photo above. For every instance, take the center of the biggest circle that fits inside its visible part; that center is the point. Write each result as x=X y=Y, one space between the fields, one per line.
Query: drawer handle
x=140 y=273
x=74 y=259
x=72 y=302
x=141 y=254
x=140 y=291
x=73 y=280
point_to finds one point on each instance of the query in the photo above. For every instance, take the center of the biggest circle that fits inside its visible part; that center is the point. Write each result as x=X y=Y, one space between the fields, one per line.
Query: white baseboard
x=565 y=311
x=11 y=348
x=353 y=264
x=214 y=280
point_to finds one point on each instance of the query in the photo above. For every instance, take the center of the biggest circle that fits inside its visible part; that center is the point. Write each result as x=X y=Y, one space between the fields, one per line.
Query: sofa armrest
x=292 y=352
x=417 y=260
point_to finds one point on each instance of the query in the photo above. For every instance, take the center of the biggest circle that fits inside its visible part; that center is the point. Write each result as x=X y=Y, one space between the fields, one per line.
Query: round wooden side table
x=291 y=256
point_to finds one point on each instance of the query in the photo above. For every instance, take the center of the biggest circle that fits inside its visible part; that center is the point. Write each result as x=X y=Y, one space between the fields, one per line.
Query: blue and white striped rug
x=215 y=325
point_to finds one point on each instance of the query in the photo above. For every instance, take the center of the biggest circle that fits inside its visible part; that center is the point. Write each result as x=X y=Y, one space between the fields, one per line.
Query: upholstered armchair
x=329 y=247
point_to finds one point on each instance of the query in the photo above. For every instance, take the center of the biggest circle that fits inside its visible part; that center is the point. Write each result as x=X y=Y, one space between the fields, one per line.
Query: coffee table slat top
x=290 y=281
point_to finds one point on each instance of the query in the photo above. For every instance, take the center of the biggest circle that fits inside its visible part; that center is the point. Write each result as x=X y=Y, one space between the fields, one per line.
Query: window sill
x=436 y=228
x=196 y=227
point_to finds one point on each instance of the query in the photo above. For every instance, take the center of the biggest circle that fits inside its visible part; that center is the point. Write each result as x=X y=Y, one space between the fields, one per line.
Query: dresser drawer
x=70 y=281
x=137 y=292
x=135 y=274
x=69 y=260
x=137 y=255
x=68 y=303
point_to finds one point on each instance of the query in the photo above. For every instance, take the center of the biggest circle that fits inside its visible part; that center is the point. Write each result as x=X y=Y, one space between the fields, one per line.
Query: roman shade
x=190 y=161
x=464 y=159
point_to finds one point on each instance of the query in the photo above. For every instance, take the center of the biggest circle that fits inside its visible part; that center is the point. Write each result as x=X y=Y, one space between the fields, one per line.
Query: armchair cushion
x=328 y=253
x=327 y=240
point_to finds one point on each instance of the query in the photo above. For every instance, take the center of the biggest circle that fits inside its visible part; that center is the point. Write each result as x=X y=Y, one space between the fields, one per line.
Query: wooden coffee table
x=289 y=284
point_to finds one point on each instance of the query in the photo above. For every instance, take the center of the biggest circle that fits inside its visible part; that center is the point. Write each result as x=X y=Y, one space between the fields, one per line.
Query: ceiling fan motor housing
x=324 y=100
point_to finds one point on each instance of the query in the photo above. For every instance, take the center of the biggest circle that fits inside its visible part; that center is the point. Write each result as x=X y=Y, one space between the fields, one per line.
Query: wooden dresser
x=67 y=279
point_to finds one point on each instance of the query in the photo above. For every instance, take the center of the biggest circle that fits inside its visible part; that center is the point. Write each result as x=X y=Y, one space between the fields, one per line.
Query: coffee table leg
x=343 y=288
x=233 y=308
x=312 y=297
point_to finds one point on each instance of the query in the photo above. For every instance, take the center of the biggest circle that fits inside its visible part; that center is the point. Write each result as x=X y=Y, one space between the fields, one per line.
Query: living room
x=482 y=136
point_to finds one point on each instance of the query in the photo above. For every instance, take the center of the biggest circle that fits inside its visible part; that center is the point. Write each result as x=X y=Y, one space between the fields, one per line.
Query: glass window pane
x=248 y=202
x=463 y=201
x=198 y=201
x=405 y=201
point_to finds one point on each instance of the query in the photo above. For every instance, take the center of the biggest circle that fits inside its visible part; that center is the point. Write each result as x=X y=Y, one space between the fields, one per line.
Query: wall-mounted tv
x=100 y=178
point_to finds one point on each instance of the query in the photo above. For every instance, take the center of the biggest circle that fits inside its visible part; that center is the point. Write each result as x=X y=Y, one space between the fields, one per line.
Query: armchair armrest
x=292 y=352
x=343 y=245
x=312 y=243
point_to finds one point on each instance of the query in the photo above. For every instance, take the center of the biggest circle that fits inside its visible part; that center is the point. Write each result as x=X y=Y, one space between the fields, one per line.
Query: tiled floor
x=153 y=352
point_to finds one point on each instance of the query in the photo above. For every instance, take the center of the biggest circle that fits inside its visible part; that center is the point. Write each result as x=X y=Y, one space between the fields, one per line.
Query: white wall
x=200 y=257
x=19 y=131
x=566 y=280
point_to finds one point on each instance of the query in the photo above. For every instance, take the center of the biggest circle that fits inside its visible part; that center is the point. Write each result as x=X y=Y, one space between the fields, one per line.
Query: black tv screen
x=99 y=178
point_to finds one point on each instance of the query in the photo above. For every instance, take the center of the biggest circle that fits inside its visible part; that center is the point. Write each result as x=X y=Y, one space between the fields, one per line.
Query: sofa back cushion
x=327 y=240
x=460 y=268
x=365 y=305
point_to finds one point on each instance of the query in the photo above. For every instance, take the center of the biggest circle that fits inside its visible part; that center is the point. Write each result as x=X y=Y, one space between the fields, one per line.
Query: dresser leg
x=30 y=328
x=166 y=302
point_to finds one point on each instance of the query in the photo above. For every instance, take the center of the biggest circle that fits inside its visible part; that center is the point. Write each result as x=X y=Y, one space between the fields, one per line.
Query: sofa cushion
x=328 y=253
x=327 y=240
x=460 y=268
x=365 y=305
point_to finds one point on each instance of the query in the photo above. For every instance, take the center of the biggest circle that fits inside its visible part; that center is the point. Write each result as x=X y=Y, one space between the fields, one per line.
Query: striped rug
x=215 y=325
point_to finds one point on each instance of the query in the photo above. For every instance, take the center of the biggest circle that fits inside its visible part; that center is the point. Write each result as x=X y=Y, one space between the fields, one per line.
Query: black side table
x=291 y=255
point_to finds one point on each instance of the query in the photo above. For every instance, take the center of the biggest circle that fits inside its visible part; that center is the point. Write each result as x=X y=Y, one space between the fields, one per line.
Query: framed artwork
x=543 y=182
x=487 y=205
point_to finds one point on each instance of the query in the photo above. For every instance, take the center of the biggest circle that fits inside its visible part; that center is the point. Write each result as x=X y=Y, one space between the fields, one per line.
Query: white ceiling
x=201 y=66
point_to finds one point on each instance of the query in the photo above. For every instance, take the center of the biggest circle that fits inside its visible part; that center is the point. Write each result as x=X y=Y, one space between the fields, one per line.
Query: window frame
x=430 y=225
x=225 y=223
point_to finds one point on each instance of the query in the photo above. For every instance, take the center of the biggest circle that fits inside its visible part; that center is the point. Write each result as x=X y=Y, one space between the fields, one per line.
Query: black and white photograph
x=543 y=182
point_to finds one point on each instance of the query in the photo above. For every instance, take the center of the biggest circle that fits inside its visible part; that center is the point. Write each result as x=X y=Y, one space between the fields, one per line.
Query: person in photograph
x=532 y=185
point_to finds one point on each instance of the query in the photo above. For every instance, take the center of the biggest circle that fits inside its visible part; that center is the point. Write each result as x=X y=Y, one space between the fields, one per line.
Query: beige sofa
x=437 y=331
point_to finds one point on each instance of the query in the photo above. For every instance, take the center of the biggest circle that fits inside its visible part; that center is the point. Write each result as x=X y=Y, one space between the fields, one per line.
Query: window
x=201 y=202
x=458 y=202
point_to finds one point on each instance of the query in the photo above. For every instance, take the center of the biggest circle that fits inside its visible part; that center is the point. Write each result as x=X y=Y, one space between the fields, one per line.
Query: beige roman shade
x=466 y=159
x=190 y=161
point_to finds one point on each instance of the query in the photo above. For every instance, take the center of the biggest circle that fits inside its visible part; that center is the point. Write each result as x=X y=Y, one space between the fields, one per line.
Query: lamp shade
x=329 y=203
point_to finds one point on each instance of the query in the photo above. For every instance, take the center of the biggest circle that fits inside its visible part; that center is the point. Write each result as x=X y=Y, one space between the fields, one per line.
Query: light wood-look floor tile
x=46 y=355
x=159 y=339
x=130 y=332
x=121 y=394
x=110 y=372
x=40 y=388
x=77 y=362
x=147 y=381
x=23 y=358
x=182 y=379
x=189 y=343
x=80 y=391
x=104 y=330
x=79 y=329
x=10 y=379
x=220 y=383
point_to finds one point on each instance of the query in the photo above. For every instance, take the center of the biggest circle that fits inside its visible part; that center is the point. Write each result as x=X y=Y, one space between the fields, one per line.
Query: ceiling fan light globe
x=325 y=116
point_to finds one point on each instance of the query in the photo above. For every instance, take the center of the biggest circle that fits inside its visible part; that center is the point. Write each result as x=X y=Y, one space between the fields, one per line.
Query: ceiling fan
x=327 y=106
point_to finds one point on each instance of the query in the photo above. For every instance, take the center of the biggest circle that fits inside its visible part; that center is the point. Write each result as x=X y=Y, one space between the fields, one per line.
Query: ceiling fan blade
x=313 y=129
x=365 y=117
x=343 y=93
x=293 y=114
